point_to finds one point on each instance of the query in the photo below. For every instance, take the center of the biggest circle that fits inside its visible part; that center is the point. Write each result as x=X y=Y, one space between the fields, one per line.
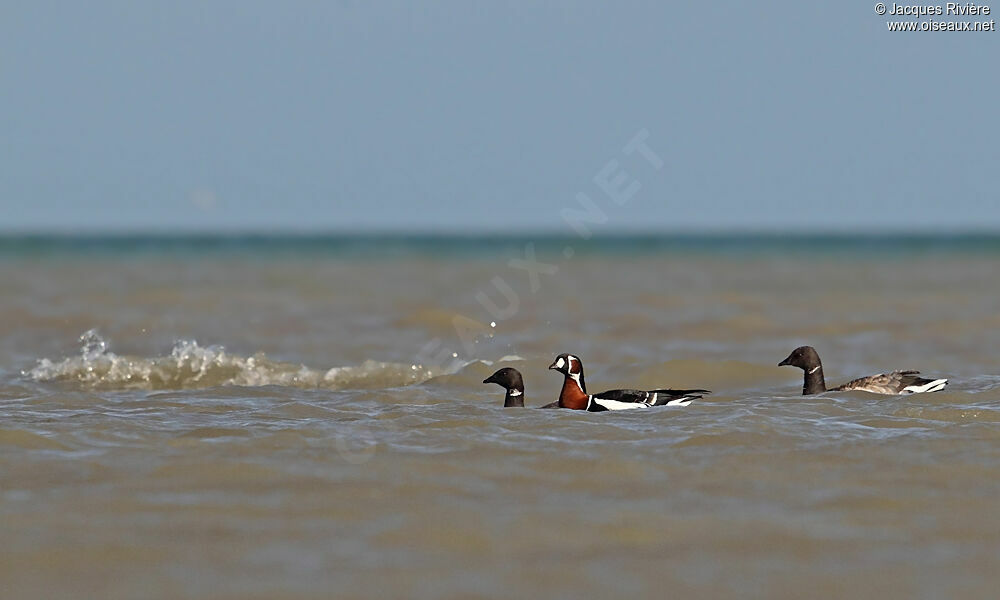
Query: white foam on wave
x=190 y=365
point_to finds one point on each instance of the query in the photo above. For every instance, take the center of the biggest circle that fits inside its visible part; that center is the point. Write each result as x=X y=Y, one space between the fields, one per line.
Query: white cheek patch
x=560 y=363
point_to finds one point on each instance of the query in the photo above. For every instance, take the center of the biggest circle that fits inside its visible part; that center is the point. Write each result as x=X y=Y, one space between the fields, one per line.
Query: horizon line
x=561 y=233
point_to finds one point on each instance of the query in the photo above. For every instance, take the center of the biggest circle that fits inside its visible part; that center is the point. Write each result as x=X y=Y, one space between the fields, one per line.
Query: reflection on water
x=309 y=445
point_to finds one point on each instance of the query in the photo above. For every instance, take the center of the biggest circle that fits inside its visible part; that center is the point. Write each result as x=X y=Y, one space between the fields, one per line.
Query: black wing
x=652 y=398
x=638 y=396
x=669 y=396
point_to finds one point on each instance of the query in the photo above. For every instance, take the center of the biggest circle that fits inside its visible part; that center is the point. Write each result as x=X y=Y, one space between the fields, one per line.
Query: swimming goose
x=510 y=379
x=574 y=392
x=897 y=382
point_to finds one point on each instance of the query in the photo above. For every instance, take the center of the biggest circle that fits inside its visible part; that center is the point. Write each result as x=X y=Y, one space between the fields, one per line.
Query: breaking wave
x=191 y=366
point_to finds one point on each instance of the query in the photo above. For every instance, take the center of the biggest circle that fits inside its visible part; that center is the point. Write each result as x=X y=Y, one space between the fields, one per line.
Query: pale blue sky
x=462 y=116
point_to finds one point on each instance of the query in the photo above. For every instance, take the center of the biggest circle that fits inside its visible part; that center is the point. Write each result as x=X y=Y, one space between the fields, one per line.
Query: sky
x=463 y=116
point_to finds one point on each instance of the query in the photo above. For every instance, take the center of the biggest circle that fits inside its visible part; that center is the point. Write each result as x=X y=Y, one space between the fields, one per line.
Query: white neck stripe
x=515 y=392
x=817 y=368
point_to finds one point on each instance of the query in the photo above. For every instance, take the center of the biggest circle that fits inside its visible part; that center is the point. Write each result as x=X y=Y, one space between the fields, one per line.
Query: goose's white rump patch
x=934 y=386
x=682 y=401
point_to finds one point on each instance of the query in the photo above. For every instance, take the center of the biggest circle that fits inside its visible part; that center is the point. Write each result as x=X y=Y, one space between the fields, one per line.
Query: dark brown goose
x=510 y=379
x=897 y=382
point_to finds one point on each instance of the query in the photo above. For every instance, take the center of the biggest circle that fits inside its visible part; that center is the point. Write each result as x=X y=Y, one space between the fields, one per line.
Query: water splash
x=93 y=345
x=190 y=365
